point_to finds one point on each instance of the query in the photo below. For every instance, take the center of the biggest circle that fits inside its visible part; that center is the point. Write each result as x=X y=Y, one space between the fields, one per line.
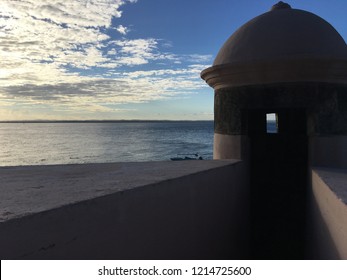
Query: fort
x=279 y=195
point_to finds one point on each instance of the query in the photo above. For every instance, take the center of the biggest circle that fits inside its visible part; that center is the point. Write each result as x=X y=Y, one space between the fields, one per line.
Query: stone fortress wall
x=265 y=196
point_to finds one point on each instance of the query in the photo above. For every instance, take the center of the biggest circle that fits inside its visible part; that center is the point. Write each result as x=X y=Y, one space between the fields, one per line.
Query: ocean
x=95 y=142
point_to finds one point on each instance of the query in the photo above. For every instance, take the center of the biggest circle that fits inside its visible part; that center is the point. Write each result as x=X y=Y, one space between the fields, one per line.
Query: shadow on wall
x=199 y=216
x=279 y=181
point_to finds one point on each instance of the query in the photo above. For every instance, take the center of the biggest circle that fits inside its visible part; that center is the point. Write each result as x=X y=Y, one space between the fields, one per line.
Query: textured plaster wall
x=230 y=146
x=158 y=210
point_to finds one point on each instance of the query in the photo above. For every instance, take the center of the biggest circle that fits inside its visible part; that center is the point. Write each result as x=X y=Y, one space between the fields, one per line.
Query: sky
x=121 y=59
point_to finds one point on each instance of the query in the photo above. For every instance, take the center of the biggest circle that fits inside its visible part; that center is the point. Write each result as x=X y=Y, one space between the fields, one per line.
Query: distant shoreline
x=102 y=121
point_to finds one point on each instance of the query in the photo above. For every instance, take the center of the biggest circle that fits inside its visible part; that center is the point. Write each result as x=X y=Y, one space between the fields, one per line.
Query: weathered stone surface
x=325 y=104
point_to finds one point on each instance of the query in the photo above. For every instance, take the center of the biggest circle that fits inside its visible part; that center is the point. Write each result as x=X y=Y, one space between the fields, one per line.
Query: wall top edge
x=335 y=179
x=26 y=190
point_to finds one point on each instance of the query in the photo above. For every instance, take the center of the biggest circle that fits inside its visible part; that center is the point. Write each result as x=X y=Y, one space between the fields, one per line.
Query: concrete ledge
x=329 y=213
x=335 y=179
x=153 y=210
x=32 y=189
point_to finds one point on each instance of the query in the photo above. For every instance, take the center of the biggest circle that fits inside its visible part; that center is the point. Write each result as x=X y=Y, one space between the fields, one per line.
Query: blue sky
x=121 y=59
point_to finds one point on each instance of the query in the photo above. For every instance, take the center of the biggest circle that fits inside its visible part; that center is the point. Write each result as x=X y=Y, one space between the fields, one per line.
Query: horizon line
x=95 y=120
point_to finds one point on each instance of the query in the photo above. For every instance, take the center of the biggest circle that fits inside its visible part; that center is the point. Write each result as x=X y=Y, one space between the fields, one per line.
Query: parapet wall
x=328 y=214
x=152 y=210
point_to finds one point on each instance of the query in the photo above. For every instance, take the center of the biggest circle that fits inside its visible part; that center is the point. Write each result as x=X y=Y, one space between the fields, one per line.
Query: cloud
x=49 y=35
x=121 y=88
x=122 y=29
x=84 y=13
x=59 y=54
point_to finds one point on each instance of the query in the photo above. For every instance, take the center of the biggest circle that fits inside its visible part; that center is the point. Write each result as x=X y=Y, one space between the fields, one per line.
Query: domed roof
x=283 y=33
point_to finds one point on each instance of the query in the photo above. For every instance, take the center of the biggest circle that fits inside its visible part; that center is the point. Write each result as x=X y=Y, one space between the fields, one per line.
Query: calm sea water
x=66 y=143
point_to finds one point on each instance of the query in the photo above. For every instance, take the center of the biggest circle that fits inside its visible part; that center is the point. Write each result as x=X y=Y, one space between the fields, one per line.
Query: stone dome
x=280 y=46
x=283 y=32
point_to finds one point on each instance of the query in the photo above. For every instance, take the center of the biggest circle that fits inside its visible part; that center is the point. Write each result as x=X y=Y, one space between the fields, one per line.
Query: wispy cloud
x=119 y=88
x=56 y=52
x=122 y=29
x=49 y=35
